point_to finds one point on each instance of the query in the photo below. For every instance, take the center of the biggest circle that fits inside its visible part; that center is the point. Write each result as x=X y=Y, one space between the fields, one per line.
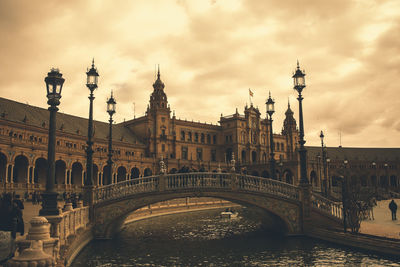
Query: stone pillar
x=39 y=231
x=12 y=173
x=32 y=256
x=305 y=198
x=65 y=178
x=7 y=173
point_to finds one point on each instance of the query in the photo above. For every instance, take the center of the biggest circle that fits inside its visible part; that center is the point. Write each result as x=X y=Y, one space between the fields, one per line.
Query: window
x=184 y=152
x=202 y=138
x=208 y=139
x=196 y=137
x=213 y=155
x=163 y=131
x=199 y=154
x=189 y=136
x=214 y=139
x=183 y=135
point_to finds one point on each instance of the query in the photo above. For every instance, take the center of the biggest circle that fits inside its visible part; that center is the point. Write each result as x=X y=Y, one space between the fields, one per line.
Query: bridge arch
x=110 y=218
x=113 y=204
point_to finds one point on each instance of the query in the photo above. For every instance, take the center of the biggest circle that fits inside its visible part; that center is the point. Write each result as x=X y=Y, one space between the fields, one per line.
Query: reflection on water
x=204 y=239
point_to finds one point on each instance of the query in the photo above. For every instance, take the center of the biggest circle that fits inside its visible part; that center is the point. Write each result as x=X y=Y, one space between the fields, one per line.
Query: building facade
x=139 y=145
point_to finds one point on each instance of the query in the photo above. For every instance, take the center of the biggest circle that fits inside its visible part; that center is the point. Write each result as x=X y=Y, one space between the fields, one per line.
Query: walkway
x=383 y=224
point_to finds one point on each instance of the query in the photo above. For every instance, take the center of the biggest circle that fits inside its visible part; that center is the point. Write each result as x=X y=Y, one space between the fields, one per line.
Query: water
x=204 y=239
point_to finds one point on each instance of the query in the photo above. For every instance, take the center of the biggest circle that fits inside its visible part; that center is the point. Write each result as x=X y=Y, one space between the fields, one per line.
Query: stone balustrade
x=201 y=180
x=72 y=221
x=327 y=206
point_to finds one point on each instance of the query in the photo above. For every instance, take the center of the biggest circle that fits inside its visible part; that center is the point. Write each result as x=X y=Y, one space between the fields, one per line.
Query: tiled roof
x=353 y=153
x=35 y=116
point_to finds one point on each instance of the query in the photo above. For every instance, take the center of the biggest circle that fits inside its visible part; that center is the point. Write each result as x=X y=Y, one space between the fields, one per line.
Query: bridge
x=285 y=202
x=295 y=209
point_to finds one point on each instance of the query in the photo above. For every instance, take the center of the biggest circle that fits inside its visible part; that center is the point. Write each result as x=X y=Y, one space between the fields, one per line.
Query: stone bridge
x=287 y=204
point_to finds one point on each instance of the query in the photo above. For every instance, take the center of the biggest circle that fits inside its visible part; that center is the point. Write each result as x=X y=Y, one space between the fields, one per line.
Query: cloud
x=210 y=53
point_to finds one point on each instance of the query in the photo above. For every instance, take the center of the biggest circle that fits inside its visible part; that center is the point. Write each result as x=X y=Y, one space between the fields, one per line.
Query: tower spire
x=158 y=72
x=93 y=62
x=298 y=65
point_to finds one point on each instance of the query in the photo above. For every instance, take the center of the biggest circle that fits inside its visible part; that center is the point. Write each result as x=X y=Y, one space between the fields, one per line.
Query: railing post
x=305 y=198
x=162 y=183
x=234 y=181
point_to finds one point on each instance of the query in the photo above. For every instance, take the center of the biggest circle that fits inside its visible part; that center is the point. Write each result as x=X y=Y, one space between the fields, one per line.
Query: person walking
x=393 y=209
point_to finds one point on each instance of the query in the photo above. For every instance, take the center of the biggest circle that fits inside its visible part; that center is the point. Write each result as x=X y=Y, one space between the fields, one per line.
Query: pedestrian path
x=383 y=224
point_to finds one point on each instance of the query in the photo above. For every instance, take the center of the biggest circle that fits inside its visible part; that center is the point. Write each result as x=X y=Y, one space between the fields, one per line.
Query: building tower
x=290 y=132
x=158 y=114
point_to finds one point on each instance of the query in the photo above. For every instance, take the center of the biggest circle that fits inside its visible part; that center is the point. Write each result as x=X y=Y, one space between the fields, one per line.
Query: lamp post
x=92 y=77
x=270 y=110
x=386 y=183
x=299 y=85
x=323 y=150
x=376 y=178
x=54 y=83
x=281 y=170
x=111 y=103
x=344 y=195
x=328 y=179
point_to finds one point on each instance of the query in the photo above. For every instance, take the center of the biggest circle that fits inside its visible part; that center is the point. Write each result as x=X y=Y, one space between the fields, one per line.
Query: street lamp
x=376 y=178
x=92 y=77
x=299 y=85
x=54 y=83
x=270 y=110
x=329 y=182
x=111 y=104
x=344 y=195
x=324 y=182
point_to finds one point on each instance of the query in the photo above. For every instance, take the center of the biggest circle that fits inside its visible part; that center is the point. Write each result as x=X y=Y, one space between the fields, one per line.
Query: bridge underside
x=110 y=216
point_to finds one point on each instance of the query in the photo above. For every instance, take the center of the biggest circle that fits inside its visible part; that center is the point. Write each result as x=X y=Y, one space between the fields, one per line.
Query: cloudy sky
x=210 y=53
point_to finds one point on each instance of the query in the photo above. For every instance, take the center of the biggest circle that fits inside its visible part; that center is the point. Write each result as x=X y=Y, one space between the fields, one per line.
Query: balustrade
x=71 y=222
x=201 y=180
x=327 y=206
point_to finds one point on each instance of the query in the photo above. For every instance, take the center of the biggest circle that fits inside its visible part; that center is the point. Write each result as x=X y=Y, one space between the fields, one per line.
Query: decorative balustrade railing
x=327 y=206
x=72 y=221
x=200 y=180
x=125 y=188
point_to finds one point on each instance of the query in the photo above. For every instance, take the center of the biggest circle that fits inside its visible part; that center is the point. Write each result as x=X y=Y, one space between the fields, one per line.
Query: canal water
x=204 y=239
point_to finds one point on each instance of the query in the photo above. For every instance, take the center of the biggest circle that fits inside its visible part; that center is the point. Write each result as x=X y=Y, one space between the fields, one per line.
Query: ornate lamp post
x=54 y=83
x=344 y=195
x=111 y=103
x=299 y=85
x=270 y=110
x=92 y=77
x=376 y=178
x=323 y=150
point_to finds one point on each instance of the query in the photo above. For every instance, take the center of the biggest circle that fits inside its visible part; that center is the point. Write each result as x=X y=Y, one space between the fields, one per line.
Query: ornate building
x=139 y=144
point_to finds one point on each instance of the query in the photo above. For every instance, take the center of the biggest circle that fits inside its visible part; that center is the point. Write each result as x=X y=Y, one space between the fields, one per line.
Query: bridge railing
x=199 y=180
x=125 y=188
x=327 y=206
x=71 y=222
x=267 y=185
